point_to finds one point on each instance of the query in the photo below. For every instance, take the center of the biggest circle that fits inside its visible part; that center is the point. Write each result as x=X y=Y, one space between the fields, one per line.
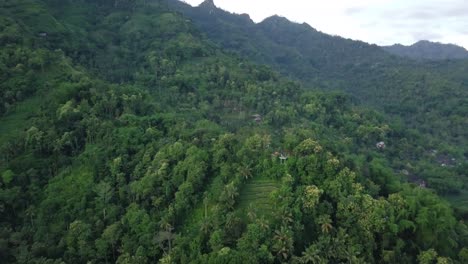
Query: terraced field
x=256 y=194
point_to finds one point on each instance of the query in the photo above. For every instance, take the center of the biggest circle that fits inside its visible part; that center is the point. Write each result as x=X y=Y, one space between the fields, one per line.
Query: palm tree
x=205 y=226
x=245 y=171
x=251 y=212
x=230 y=193
x=311 y=255
x=325 y=223
x=283 y=243
x=263 y=224
x=285 y=217
x=165 y=236
x=30 y=212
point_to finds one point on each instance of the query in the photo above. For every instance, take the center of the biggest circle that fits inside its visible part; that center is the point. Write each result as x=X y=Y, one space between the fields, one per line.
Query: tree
x=325 y=223
x=427 y=257
x=283 y=243
x=165 y=236
x=108 y=240
x=245 y=171
x=312 y=255
x=463 y=254
x=78 y=241
x=216 y=240
x=311 y=197
x=229 y=195
x=7 y=176
x=104 y=192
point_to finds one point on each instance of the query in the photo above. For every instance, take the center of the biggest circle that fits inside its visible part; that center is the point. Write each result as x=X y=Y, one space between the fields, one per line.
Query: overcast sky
x=382 y=22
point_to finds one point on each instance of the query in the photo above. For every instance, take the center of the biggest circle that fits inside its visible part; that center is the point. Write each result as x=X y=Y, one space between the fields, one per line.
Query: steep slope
x=294 y=49
x=410 y=90
x=141 y=135
x=428 y=96
x=428 y=50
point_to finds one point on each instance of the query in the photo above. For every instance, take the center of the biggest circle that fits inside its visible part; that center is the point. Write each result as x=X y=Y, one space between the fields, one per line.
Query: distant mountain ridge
x=296 y=50
x=428 y=50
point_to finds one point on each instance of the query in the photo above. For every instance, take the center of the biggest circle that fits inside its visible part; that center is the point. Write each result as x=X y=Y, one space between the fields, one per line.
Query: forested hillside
x=423 y=94
x=127 y=136
x=427 y=96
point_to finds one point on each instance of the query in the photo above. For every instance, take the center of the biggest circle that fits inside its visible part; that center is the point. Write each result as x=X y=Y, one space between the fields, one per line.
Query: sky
x=381 y=22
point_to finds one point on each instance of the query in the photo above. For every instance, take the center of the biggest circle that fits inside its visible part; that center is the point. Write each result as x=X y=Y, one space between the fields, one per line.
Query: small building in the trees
x=257 y=118
x=380 y=145
x=282 y=157
x=423 y=184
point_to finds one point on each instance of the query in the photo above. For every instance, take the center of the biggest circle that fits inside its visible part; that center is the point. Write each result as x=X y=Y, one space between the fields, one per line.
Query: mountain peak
x=438 y=44
x=423 y=41
x=208 y=3
x=425 y=49
x=428 y=43
x=275 y=19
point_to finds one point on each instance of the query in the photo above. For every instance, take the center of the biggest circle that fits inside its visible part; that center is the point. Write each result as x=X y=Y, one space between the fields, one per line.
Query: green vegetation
x=256 y=195
x=428 y=50
x=425 y=95
x=128 y=137
x=428 y=97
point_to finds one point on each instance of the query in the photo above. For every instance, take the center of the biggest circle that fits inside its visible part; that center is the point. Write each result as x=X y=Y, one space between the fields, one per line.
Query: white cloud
x=382 y=22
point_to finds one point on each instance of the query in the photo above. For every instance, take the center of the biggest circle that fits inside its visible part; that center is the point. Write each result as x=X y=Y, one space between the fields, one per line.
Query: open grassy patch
x=256 y=194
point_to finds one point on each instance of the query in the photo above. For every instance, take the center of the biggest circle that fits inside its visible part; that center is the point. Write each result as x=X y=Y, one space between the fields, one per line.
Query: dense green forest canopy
x=127 y=136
